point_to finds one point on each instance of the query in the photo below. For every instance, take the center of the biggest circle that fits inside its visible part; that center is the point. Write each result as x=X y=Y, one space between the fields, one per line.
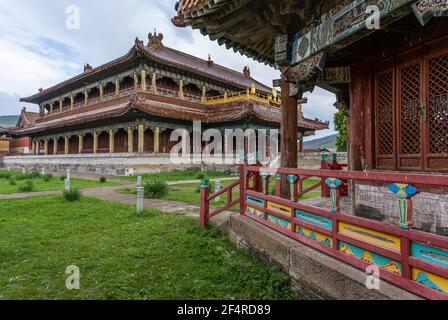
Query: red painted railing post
x=242 y=183
x=205 y=206
x=278 y=185
x=325 y=190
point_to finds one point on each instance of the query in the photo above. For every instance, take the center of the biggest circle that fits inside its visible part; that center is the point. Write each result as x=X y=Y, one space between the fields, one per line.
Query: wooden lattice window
x=410 y=110
x=385 y=119
x=438 y=104
x=385 y=114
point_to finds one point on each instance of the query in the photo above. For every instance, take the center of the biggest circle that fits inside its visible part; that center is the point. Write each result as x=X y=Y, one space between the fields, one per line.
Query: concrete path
x=29 y=194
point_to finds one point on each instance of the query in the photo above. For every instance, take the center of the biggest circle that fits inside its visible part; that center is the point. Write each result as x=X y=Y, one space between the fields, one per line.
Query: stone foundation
x=375 y=201
x=314 y=275
x=122 y=164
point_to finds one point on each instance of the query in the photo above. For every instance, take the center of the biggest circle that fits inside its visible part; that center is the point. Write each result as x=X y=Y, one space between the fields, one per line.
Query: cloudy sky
x=37 y=50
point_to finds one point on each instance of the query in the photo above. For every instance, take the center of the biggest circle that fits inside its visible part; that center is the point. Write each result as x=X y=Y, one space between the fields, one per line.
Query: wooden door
x=409 y=116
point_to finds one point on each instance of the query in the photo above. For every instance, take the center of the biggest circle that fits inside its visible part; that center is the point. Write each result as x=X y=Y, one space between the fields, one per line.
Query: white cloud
x=37 y=50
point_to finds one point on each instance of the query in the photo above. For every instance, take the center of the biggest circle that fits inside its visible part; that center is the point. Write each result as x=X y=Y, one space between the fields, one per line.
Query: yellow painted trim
x=441 y=282
x=278 y=208
x=389 y=242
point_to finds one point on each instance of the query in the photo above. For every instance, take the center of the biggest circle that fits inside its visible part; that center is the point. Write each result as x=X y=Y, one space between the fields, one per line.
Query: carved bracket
x=425 y=10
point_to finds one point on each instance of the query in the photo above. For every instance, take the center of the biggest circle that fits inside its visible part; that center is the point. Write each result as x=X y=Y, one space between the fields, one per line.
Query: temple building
x=129 y=107
x=387 y=62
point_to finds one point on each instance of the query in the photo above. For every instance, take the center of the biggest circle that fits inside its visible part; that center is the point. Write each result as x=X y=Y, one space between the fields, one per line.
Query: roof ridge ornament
x=155 y=40
x=87 y=67
x=246 y=72
x=210 y=61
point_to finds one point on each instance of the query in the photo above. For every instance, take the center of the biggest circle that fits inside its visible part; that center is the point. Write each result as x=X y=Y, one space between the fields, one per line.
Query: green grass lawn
x=192 y=174
x=122 y=256
x=40 y=185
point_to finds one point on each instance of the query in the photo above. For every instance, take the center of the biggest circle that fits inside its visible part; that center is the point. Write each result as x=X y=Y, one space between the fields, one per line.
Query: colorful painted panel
x=281 y=222
x=278 y=208
x=371 y=257
x=430 y=280
x=316 y=236
x=430 y=254
x=370 y=236
x=257 y=201
x=255 y=212
x=315 y=219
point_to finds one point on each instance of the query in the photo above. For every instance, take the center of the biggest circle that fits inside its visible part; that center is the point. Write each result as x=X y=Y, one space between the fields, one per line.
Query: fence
x=414 y=260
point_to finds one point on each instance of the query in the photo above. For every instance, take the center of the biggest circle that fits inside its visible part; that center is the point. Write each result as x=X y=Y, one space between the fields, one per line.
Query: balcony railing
x=244 y=95
x=414 y=260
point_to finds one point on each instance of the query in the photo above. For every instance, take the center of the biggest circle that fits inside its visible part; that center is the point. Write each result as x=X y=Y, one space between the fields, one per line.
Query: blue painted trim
x=255 y=200
x=421 y=252
x=315 y=219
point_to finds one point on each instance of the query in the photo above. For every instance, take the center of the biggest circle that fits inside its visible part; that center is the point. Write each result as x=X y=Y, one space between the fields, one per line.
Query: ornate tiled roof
x=251 y=26
x=229 y=112
x=27 y=118
x=154 y=51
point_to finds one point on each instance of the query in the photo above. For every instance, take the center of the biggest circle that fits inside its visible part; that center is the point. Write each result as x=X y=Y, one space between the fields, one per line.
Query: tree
x=340 y=124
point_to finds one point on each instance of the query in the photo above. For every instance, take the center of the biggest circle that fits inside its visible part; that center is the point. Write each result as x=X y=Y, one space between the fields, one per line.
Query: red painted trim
x=428 y=266
x=387 y=177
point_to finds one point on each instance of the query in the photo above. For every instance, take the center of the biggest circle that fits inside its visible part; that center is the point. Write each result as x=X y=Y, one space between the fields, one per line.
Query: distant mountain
x=325 y=142
x=8 y=121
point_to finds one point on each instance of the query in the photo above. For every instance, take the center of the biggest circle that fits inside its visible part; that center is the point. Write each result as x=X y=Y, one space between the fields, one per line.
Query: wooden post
x=72 y=102
x=141 y=138
x=86 y=97
x=242 y=182
x=181 y=88
x=66 y=140
x=204 y=211
x=143 y=80
x=135 y=82
x=111 y=141
x=55 y=146
x=101 y=92
x=154 y=83
x=46 y=147
x=204 y=94
x=117 y=87
x=80 y=143
x=130 y=140
x=157 y=140
x=288 y=133
x=324 y=189
x=95 y=142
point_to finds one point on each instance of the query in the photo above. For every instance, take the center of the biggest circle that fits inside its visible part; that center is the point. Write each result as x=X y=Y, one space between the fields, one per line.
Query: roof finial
x=246 y=72
x=155 y=40
x=210 y=61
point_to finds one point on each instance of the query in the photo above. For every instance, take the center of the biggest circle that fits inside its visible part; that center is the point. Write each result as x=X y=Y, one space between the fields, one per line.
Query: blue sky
x=38 y=51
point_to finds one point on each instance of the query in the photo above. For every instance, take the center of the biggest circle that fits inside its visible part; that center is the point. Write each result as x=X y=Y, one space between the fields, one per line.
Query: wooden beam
x=345 y=27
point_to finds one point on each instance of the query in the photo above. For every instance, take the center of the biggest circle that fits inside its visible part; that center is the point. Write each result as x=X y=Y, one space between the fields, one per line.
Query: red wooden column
x=288 y=133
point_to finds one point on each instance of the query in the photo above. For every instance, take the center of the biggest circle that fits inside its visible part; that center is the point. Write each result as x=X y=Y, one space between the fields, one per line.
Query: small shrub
x=35 y=174
x=27 y=187
x=72 y=195
x=47 y=177
x=5 y=175
x=103 y=179
x=63 y=177
x=200 y=176
x=12 y=181
x=155 y=189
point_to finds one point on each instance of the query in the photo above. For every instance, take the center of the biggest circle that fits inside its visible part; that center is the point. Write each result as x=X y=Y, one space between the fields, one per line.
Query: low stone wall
x=430 y=211
x=313 y=160
x=120 y=164
x=314 y=275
